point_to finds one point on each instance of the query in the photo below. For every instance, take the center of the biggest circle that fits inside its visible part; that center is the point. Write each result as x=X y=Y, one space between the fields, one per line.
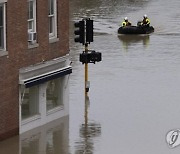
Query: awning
x=36 y=80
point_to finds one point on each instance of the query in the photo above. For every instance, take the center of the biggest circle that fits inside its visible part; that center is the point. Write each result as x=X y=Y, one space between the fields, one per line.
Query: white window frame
x=3 y=4
x=53 y=16
x=33 y=19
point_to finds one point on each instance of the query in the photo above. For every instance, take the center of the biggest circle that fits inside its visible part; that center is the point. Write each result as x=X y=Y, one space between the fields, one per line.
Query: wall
x=20 y=56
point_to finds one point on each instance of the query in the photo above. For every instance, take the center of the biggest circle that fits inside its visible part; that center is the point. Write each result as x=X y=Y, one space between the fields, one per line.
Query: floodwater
x=134 y=97
x=134 y=92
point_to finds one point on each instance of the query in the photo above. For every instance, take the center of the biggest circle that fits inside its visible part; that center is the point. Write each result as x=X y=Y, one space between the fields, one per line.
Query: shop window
x=30 y=102
x=54 y=93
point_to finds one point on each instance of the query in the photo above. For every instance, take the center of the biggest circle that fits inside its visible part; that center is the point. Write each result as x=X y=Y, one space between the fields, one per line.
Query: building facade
x=34 y=63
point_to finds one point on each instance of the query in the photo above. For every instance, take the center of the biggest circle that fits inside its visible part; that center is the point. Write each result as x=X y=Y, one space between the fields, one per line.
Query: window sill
x=28 y=120
x=32 y=45
x=3 y=53
x=53 y=39
x=56 y=109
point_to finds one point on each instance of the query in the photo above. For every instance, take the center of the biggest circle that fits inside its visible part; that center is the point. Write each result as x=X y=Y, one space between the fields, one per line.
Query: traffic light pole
x=84 y=35
x=86 y=73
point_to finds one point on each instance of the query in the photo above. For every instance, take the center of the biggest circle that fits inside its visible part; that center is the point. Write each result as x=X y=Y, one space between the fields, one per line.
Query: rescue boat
x=139 y=29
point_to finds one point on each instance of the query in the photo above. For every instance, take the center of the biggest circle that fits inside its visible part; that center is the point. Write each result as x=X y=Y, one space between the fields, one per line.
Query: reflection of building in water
x=52 y=138
x=127 y=40
x=88 y=131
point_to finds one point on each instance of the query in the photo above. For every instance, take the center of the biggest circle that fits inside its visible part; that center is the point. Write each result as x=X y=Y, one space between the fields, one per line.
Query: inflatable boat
x=135 y=30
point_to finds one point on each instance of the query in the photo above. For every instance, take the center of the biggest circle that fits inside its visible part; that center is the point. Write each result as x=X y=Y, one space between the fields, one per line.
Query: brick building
x=34 y=63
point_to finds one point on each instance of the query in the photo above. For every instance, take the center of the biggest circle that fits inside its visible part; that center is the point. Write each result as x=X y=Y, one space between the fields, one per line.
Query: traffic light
x=89 y=31
x=90 y=57
x=80 y=31
x=95 y=56
x=84 y=58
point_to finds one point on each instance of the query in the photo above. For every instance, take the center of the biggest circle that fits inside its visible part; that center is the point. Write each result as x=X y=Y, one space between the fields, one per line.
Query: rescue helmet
x=145 y=16
x=126 y=19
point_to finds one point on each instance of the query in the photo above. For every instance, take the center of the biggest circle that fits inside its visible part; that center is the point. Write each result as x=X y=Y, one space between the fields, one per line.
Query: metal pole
x=86 y=112
x=86 y=73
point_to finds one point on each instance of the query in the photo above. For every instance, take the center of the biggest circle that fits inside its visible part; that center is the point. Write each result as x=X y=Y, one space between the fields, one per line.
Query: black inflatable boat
x=135 y=30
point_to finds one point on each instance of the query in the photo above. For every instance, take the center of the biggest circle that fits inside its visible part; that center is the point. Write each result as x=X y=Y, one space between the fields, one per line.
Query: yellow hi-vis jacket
x=146 y=21
x=124 y=23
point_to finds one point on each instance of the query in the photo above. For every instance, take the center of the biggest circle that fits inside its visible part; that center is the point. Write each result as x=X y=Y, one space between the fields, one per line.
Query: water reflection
x=52 y=138
x=128 y=40
x=88 y=131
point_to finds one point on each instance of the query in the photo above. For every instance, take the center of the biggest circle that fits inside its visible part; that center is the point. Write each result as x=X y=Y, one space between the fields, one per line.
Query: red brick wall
x=20 y=56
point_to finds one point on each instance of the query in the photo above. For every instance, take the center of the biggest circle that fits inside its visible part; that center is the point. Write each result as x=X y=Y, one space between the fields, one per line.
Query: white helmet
x=125 y=18
x=145 y=16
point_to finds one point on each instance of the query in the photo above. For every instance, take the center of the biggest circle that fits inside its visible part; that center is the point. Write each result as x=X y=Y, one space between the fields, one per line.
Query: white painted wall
x=45 y=117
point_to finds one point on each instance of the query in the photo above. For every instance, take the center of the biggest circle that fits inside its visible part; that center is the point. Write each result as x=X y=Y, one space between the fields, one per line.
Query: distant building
x=34 y=63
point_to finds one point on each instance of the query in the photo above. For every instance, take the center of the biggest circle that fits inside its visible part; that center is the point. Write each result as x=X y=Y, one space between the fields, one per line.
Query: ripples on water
x=134 y=91
x=134 y=95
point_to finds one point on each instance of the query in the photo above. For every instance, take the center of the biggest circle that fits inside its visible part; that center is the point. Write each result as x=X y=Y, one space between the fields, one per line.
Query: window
x=54 y=93
x=2 y=27
x=32 y=21
x=30 y=102
x=52 y=19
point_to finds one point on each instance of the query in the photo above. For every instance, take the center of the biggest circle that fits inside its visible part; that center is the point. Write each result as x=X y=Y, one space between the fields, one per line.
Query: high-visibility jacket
x=126 y=23
x=146 y=21
x=123 y=23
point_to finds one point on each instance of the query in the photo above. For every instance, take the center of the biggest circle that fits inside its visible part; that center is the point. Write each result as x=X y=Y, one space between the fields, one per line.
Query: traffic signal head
x=84 y=58
x=90 y=57
x=89 y=30
x=79 y=31
x=95 y=56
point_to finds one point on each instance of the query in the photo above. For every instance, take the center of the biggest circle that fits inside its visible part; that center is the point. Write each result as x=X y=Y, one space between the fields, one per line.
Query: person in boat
x=126 y=22
x=146 y=21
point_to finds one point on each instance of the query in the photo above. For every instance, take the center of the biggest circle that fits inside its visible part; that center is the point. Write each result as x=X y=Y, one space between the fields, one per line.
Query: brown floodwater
x=134 y=98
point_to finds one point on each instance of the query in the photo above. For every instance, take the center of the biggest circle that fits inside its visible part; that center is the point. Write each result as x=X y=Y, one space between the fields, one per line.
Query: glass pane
x=1 y=16
x=1 y=28
x=1 y=38
x=30 y=11
x=51 y=7
x=54 y=93
x=30 y=102
x=30 y=25
x=50 y=25
x=49 y=4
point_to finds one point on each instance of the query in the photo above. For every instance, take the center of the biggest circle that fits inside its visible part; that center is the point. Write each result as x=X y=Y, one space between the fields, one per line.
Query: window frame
x=3 y=5
x=52 y=16
x=33 y=20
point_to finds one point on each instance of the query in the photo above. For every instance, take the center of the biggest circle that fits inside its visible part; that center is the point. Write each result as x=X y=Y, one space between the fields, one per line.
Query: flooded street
x=134 y=92
x=134 y=97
